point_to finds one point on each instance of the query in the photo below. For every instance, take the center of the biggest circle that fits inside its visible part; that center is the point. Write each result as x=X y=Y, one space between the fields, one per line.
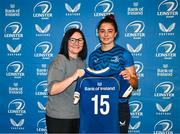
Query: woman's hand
x=78 y=73
x=130 y=74
x=125 y=74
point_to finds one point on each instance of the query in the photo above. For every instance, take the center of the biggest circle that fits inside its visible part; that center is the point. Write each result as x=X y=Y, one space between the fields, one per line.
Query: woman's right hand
x=78 y=73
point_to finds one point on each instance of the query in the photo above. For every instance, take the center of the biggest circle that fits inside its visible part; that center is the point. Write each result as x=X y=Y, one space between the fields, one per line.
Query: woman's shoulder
x=59 y=60
x=120 y=48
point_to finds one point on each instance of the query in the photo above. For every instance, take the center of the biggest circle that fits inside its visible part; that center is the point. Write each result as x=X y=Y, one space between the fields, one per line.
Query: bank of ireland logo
x=103 y=8
x=73 y=24
x=16 y=107
x=43 y=31
x=164 y=90
x=17 y=125
x=14 y=51
x=166 y=50
x=135 y=128
x=163 y=127
x=135 y=51
x=168 y=8
x=41 y=89
x=13 y=30
x=12 y=11
x=135 y=29
x=72 y=11
x=163 y=109
x=42 y=10
x=43 y=50
x=15 y=69
x=139 y=69
x=136 y=107
x=41 y=126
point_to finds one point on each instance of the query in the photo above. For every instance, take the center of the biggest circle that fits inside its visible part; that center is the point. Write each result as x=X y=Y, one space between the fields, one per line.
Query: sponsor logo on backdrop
x=42 y=70
x=73 y=11
x=103 y=8
x=41 y=107
x=15 y=69
x=168 y=8
x=166 y=50
x=136 y=107
x=15 y=89
x=135 y=9
x=139 y=69
x=12 y=11
x=137 y=92
x=17 y=107
x=163 y=109
x=165 y=71
x=164 y=90
x=97 y=46
x=13 y=30
x=42 y=31
x=135 y=51
x=41 y=126
x=135 y=128
x=167 y=30
x=163 y=127
x=14 y=50
x=41 y=89
x=135 y=30
x=17 y=125
x=43 y=50
x=73 y=24
x=42 y=10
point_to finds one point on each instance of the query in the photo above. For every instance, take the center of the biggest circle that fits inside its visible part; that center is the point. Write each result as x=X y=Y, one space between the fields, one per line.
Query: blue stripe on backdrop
x=148 y=29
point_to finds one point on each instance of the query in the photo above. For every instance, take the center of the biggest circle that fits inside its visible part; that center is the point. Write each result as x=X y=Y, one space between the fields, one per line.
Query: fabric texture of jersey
x=99 y=99
x=117 y=58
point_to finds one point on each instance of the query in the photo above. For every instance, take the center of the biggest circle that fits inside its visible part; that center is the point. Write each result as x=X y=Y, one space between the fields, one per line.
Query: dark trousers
x=124 y=113
x=62 y=125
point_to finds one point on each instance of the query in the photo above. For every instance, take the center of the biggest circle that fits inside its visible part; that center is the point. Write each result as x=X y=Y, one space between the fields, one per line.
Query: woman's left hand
x=125 y=74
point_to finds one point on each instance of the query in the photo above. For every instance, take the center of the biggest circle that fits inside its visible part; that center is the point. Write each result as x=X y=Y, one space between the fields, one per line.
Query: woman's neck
x=73 y=56
x=107 y=47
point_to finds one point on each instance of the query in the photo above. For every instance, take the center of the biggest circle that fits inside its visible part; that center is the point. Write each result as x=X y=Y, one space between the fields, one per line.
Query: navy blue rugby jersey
x=99 y=99
x=117 y=58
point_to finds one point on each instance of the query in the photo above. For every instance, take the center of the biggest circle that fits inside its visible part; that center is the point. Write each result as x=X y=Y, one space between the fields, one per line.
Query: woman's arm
x=130 y=74
x=59 y=87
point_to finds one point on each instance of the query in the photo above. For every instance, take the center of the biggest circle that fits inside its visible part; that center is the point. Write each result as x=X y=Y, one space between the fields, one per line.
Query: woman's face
x=75 y=44
x=107 y=33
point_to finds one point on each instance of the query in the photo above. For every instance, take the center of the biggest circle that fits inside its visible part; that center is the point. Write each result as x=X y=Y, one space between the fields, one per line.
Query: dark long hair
x=109 y=19
x=64 y=44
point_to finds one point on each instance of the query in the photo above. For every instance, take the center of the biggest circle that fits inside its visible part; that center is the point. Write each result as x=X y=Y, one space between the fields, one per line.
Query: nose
x=77 y=42
x=105 y=33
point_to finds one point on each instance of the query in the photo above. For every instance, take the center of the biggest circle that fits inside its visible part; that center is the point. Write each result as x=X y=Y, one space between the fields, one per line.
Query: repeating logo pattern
x=31 y=36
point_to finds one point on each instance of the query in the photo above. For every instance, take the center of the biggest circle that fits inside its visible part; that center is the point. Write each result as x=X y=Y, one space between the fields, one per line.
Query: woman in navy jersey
x=117 y=58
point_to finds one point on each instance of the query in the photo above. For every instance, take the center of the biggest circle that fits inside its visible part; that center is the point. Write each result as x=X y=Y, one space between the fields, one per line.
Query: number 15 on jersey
x=101 y=107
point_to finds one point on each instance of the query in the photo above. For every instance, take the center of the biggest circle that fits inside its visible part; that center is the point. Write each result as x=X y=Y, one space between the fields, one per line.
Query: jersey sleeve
x=78 y=85
x=125 y=87
x=128 y=58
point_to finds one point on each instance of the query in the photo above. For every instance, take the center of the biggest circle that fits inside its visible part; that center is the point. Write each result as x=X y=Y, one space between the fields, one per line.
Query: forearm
x=133 y=81
x=59 y=87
